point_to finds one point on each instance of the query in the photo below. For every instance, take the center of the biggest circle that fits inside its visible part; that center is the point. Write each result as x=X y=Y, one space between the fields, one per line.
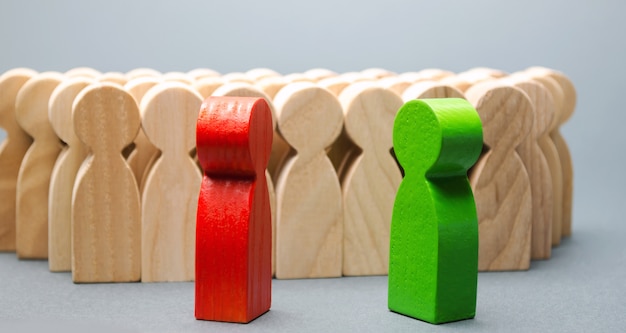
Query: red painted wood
x=233 y=230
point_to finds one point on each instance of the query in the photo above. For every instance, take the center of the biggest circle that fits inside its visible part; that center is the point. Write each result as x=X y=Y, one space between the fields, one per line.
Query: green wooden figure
x=433 y=260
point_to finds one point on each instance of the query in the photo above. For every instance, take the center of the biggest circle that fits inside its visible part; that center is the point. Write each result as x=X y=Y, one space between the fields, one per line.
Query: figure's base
x=233 y=320
x=436 y=321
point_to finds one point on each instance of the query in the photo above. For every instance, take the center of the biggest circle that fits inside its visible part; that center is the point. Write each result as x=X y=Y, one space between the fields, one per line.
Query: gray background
x=580 y=289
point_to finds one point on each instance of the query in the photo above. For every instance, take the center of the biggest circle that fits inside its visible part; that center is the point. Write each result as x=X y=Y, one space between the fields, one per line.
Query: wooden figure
x=178 y=77
x=430 y=89
x=106 y=228
x=356 y=76
x=435 y=74
x=12 y=151
x=82 y=72
x=279 y=148
x=318 y=74
x=395 y=83
x=335 y=84
x=434 y=231
x=500 y=180
x=430 y=74
x=271 y=85
x=567 y=110
x=411 y=76
x=200 y=73
x=142 y=72
x=63 y=173
x=309 y=229
x=170 y=195
x=343 y=151
x=297 y=77
x=33 y=180
x=113 y=77
x=550 y=148
x=465 y=80
x=144 y=151
x=370 y=183
x=548 y=106
x=207 y=85
x=233 y=234
x=237 y=77
x=258 y=74
x=376 y=73
x=243 y=89
x=536 y=163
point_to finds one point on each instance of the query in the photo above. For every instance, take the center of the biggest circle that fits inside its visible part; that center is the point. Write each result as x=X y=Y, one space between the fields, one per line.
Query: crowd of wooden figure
x=332 y=174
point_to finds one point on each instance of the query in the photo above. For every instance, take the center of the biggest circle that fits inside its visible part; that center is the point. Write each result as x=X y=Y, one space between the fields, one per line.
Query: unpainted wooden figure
x=309 y=229
x=64 y=173
x=500 y=180
x=370 y=182
x=106 y=224
x=12 y=151
x=169 y=112
x=33 y=180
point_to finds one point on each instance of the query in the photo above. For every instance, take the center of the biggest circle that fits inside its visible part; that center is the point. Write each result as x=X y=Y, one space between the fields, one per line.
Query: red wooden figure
x=233 y=230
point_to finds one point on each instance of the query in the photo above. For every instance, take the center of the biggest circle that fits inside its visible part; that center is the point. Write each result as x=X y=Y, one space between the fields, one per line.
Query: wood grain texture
x=33 y=180
x=271 y=85
x=309 y=223
x=371 y=182
x=335 y=84
x=536 y=164
x=170 y=196
x=567 y=110
x=63 y=173
x=551 y=150
x=434 y=232
x=430 y=89
x=207 y=85
x=343 y=151
x=395 y=83
x=144 y=151
x=12 y=151
x=233 y=244
x=500 y=180
x=465 y=80
x=106 y=225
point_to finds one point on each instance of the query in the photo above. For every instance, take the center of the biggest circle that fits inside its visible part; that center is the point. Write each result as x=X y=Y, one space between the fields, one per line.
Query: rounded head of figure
x=106 y=117
x=234 y=136
x=437 y=137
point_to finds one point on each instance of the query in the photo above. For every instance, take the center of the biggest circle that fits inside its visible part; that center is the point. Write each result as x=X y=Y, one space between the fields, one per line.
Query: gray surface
x=580 y=289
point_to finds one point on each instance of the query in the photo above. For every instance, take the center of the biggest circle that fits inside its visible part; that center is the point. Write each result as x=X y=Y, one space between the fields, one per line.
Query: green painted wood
x=433 y=260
